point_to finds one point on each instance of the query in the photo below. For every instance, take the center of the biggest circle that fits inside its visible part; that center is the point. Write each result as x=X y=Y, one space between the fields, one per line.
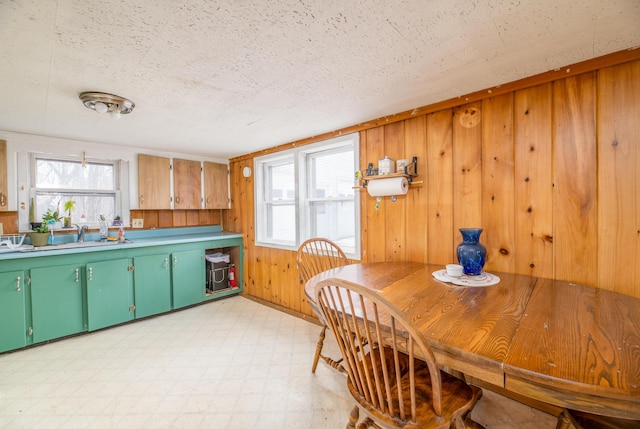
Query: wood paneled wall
x=176 y=218
x=550 y=171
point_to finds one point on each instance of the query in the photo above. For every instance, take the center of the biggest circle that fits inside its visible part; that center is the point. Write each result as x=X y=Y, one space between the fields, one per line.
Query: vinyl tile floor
x=231 y=363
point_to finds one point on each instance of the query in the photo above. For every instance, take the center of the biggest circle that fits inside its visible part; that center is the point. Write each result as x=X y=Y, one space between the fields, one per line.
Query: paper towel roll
x=388 y=186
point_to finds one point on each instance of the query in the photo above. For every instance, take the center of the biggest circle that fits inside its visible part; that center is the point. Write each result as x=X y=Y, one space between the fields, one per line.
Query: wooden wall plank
x=575 y=199
x=395 y=211
x=533 y=182
x=363 y=197
x=439 y=188
x=375 y=211
x=498 y=183
x=415 y=144
x=467 y=167
x=619 y=188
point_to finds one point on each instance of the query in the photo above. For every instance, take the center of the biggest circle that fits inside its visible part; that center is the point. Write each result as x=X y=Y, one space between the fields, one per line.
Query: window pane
x=58 y=174
x=88 y=207
x=331 y=175
x=334 y=220
x=281 y=222
x=281 y=184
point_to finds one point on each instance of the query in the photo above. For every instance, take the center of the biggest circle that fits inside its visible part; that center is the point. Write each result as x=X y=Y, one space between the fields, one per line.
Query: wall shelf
x=410 y=171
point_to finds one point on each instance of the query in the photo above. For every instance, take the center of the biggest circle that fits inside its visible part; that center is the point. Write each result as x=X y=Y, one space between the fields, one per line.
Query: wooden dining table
x=568 y=345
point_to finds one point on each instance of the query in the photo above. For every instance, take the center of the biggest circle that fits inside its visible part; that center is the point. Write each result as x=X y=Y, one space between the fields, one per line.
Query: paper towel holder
x=410 y=171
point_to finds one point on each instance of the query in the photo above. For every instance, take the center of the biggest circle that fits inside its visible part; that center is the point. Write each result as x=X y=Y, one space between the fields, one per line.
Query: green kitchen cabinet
x=188 y=277
x=109 y=293
x=152 y=284
x=56 y=302
x=12 y=311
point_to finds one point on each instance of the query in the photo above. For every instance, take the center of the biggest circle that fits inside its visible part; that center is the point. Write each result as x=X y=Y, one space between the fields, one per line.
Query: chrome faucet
x=81 y=230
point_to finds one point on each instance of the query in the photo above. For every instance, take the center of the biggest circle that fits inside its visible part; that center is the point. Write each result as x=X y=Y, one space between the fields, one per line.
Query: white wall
x=26 y=143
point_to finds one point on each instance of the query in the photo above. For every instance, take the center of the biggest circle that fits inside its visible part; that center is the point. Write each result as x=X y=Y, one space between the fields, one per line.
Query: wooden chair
x=315 y=256
x=392 y=372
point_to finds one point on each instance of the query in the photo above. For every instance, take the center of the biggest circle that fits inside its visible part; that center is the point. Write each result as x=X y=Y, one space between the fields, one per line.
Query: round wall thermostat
x=246 y=172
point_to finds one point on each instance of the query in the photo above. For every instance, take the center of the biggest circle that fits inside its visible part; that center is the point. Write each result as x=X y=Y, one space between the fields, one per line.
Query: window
x=308 y=192
x=93 y=185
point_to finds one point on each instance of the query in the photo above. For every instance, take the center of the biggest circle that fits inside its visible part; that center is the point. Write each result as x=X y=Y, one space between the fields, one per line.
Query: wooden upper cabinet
x=154 y=182
x=187 y=184
x=216 y=186
x=4 y=203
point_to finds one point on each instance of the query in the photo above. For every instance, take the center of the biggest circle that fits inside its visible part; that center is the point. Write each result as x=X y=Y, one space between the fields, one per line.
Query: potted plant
x=51 y=218
x=69 y=206
x=117 y=221
x=40 y=235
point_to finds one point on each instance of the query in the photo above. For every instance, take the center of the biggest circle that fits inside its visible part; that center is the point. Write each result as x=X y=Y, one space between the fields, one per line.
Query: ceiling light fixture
x=102 y=102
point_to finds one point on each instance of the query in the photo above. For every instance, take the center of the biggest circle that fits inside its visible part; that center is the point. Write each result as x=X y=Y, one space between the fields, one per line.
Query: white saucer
x=481 y=280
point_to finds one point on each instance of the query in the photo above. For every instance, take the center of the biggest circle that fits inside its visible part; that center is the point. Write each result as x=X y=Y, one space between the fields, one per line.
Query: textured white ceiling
x=225 y=78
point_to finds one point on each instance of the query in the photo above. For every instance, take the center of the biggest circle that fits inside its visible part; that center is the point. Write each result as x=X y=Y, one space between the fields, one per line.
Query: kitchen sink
x=74 y=245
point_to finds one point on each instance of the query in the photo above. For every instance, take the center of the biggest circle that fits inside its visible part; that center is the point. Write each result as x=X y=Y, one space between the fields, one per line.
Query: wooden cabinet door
x=152 y=284
x=12 y=311
x=57 y=304
x=109 y=293
x=188 y=270
x=187 y=184
x=216 y=186
x=3 y=176
x=154 y=182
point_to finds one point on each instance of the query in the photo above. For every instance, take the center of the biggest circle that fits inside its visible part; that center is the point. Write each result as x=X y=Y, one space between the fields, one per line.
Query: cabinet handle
x=166 y=263
x=175 y=261
x=141 y=199
x=3 y=199
x=18 y=288
x=90 y=273
x=77 y=275
x=178 y=199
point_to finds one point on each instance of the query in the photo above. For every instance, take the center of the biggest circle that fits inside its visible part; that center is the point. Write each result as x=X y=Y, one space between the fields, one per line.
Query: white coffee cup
x=454 y=270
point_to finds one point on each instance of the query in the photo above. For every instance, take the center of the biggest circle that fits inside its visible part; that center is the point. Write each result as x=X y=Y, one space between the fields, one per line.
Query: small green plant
x=44 y=228
x=51 y=217
x=69 y=206
x=102 y=218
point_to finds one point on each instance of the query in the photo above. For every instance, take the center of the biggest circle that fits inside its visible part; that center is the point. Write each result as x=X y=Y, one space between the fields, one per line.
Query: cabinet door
x=109 y=293
x=216 y=186
x=56 y=302
x=4 y=204
x=12 y=313
x=187 y=184
x=188 y=277
x=152 y=284
x=154 y=182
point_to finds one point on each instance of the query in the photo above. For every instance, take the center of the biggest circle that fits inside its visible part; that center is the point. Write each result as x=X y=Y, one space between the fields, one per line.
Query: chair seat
x=456 y=395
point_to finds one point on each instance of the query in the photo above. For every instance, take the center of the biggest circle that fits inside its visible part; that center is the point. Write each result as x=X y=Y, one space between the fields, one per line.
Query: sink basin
x=74 y=245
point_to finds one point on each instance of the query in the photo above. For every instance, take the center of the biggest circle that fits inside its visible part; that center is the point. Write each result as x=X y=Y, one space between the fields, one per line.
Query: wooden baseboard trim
x=297 y=314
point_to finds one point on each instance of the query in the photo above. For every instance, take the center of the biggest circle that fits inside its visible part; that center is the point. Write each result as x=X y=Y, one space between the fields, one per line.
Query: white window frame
x=299 y=157
x=121 y=179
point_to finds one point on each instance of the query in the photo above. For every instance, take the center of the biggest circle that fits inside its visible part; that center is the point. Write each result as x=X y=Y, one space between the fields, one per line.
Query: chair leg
x=564 y=421
x=353 y=418
x=319 y=348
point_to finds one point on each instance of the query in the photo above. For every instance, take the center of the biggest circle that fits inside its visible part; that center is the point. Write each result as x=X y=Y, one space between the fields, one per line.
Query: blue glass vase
x=471 y=253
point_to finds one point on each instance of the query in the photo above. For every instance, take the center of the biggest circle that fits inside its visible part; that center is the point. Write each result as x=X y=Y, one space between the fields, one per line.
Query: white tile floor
x=231 y=363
